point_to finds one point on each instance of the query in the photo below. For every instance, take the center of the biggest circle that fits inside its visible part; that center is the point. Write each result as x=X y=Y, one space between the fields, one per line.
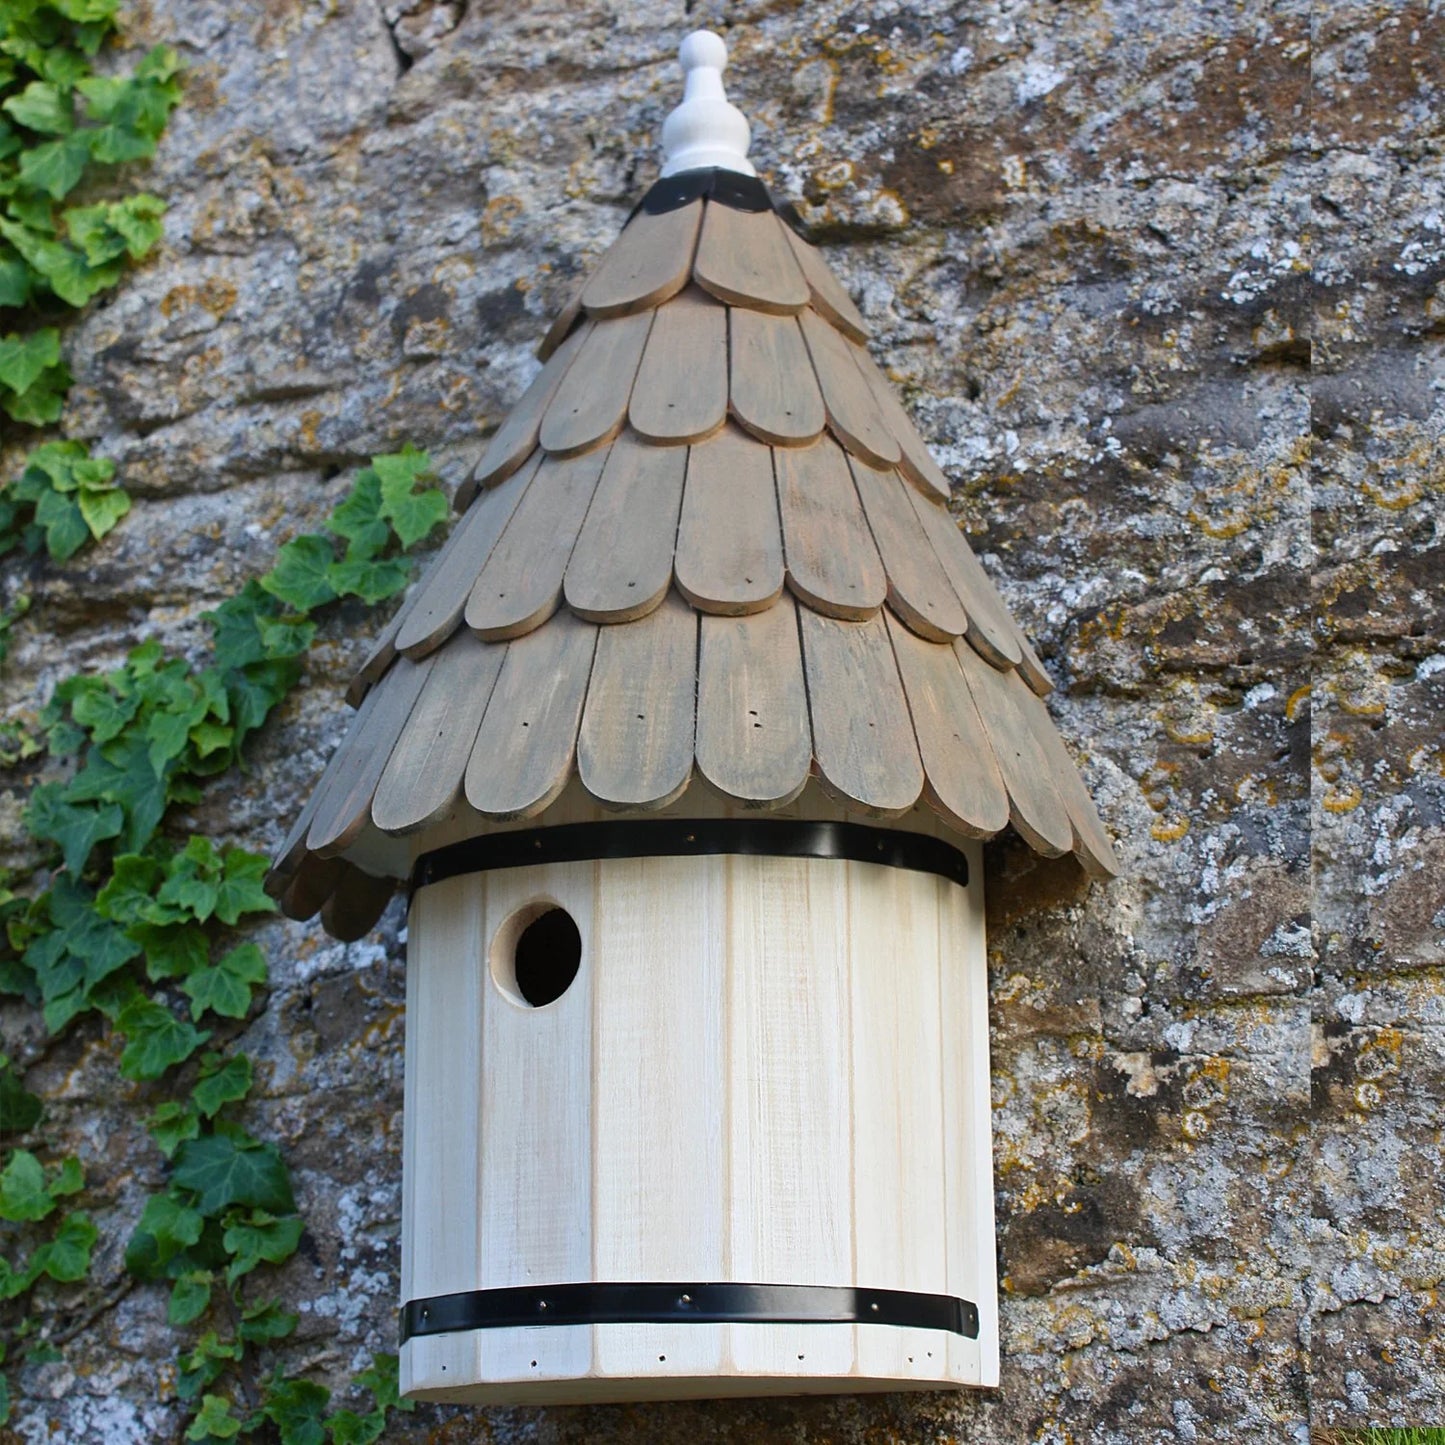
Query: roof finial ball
x=705 y=130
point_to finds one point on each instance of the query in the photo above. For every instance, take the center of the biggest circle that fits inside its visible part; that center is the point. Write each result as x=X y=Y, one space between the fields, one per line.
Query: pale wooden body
x=766 y=1070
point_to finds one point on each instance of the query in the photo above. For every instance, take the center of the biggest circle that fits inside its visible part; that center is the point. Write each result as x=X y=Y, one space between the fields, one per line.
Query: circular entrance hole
x=536 y=954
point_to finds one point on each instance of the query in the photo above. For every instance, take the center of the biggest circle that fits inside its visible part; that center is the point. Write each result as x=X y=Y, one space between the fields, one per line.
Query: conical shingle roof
x=707 y=550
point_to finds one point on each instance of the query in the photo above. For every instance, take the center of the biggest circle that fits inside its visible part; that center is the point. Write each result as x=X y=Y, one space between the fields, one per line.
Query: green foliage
x=139 y=928
x=63 y=499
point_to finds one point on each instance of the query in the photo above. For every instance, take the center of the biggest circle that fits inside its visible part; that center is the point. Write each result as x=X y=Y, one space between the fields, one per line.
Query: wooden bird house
x=686 y=745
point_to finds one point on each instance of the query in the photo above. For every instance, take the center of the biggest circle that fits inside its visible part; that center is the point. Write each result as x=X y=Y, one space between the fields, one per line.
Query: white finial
x=705 y=130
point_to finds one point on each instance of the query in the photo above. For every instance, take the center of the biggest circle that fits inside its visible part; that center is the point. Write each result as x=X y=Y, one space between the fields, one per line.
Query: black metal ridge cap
x=716 y=183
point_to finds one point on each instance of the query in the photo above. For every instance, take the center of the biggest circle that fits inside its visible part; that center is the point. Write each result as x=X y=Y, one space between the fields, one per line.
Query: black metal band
x=727 y=188
x=693 y=837
x=660 y=1304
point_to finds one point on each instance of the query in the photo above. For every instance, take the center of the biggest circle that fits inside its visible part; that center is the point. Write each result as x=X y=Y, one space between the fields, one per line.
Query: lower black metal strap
x=693 y=837
x=659 y=1304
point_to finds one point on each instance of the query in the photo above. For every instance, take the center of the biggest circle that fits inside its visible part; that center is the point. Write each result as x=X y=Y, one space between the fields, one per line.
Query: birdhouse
x=686 y=745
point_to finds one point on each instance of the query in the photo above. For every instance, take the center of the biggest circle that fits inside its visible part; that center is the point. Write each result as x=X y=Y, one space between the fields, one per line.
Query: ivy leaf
x=369 y=578
x=166 y=1229
x=215 y=1421
x=112 y=229
x=20 y=1110
x=190 y=1298
x=75 y=830
x=412 y=514
x=260 y=1236
x=23 y=1195
x=171 y=950
x=171 y=1125
x=262 y=1324
x=222 y=1082
x=66 y=1258
x=24 y=359
x=205 y=1364
x=223 y=1170
x=349 y=1428
x=100 y=712
x=359 y=520
x=297 y=1409
x=383 y=1378
x=300 y=576
x=57 y=166
x=102 y=507
x=43 y=107
x=225 y=989
x=240 y=890
x=57 y=513
x=14 y=283
x=80 y=948
x=157 y=1039
x=126 y=897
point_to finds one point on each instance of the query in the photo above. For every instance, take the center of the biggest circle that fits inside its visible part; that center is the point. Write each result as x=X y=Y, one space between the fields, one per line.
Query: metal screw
x=541 y=1304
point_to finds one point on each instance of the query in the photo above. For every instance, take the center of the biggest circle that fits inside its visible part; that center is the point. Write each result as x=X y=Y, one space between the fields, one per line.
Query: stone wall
x=1165 y=285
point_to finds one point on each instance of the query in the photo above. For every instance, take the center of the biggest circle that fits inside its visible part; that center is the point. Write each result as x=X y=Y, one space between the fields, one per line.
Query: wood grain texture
x=423 y=777
x=590 y=405
x=649 y=262
x=918 y=588
x=355 y=904
x=828 y=295
x=898 y=1125
x=961 y=777
x=754 y=741
x=968 y=1155
x=862 y=736
x=729 y=556
x=1031 y=669
x=832 y=562
x=990 y=628
x=564 y=321
x=435 y=610
x=534 y=1194
x=916 y=461
x=356 y=766
x=636 y=742
x=380 y=657
x=658 y=1144
x=790 y=1085
x=681 y=391
x=521 y=584
x=288 y=858
x=1035 y=808
x=621 y=567
x=528 y=738
x=852 y=412
x=743 y=257
x=773 y=391
x=1091 y=841
x=312 y=883
x=516 y=439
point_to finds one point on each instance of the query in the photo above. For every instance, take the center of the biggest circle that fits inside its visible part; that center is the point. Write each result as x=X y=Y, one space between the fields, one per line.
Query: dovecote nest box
x=687 y=743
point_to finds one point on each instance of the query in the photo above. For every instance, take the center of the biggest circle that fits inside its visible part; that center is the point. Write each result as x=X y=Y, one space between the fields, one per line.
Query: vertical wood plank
x=832 y=561
x=789 y=1091
x=535 y=1190
x=621 y=567
x=636 y=741
x=520 y=585
x=523 y=754
x=898 y=1163
x=754 y=741
x=852 y=412
x=918 y=588
x=423 y=777
x=681 y=392
x=743 y=257
x=434 y=613
x=862 y=736
x=916 y=461
x=650 y=261
x=967 y=1119
x=729 y=556
x=828 y=293
x=772 y=389
x=659 y=1189
x=590 y=405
